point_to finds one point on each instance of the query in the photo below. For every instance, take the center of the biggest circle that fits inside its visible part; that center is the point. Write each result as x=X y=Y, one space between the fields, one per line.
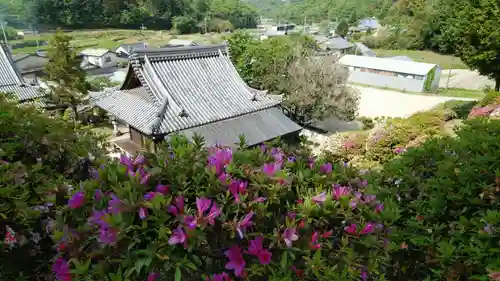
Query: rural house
x=124 y=50
x=192 y=90
x=334 y=44
x=12 y=82
x=101 y=58
x=31 y=66
x=179 y=43
x=397 y=74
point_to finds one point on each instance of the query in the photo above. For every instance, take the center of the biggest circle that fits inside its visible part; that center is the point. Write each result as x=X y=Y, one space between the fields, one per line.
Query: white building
x=101 y=58
x=396 y=74
x=124 y=50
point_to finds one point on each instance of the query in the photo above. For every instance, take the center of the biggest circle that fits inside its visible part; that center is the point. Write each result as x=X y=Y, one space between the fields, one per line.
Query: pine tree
x=64 y=70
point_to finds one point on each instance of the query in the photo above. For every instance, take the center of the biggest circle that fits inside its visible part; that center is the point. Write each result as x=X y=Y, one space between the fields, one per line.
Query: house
x=124 y=50
x=369 y=23
x=335 y=43
x=32 y=65
x=272 y=33
x=397 y=74
x=179 y=43
x=192 y=90
x=361 y=49
x=11 y=81
x=101 y=58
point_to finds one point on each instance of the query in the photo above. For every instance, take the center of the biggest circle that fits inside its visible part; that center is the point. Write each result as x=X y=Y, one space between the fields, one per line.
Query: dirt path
x=464 y=79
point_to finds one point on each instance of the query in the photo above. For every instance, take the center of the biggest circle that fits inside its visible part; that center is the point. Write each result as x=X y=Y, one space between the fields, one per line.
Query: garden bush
x=39 y=156
x=188 y=212
x=449 y=225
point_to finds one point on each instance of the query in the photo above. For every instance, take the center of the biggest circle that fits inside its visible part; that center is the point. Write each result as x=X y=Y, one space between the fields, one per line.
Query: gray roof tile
x=257 y=127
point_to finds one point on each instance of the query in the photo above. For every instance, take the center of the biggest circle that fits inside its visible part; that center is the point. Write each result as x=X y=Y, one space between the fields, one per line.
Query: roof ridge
x=10 y=60
x=179 y=52
x=234 y=73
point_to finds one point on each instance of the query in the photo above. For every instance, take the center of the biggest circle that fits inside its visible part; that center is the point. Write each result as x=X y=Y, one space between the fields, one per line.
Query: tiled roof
x=11 y=80
x=257 y=127
x=336 y=42
x=188 y=88
x=99 y=52
x=179 y=43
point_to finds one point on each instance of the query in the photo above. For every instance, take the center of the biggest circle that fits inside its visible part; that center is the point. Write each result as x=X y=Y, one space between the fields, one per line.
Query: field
x=110 y=39
x=444 y=61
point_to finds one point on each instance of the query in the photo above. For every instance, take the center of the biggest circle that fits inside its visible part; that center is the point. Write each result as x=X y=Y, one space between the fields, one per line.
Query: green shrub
x=184 y=24
x=39 y=156
x=179 y=212
x=491 y=97
x=448 y=190
x=367 y=122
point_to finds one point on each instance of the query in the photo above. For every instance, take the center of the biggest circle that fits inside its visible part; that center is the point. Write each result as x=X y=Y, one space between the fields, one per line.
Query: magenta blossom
x=271 y=169
x=152 y=276
x=190 y=222
x=369 y=199
x=399 y=150
x=163 y=189
x=244 y=224
x=314 y=244
x=178 y=207
x=364 y=275
x=289 y=236
x=77 y=200
x=139 y=160
x=203 y=205
x=326 y=168
x=379 y=208
x=320 y=198
x=114 y=205
x=99 y=218
x=291 y=215
x=367 y=229
x=220 y=159
x=340 y=191
x=61 y=270
x=236 y=261
x=150 y=196
x=178 y=237
x=259 y=200
x=255 y=248
x=143 y=213
x=98 y=195
x=236 y=188
x=219 y=277
x=351 y=229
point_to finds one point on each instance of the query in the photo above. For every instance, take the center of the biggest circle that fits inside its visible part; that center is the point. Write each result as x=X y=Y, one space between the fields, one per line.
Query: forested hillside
x=128 y=13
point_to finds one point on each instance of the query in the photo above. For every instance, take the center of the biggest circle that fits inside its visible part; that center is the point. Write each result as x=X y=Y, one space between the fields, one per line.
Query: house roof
x=180 y=43
x=387 y=64
x=188 y=87
x=336 y=42
x=372 y=23
x=11 y=80
x=126 y=47
x=95 y=52
x=365 y=51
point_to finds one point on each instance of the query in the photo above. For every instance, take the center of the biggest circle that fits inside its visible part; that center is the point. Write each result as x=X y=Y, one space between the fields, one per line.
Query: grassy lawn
x=444 y=61
x=110 y=39
x=461 y=93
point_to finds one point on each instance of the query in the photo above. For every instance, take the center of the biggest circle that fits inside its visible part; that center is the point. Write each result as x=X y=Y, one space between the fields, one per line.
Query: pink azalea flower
x=10 y=237
x=399 y=150
x=291 y=215
x=256 y=249
x=178 y=237
x=126 y=161
x=326 y=168
x=190 y=222
x=150 y=196
x=369 y=199
x=139 y=160
x=271 y=169
x=213 y=214
x=61 y=270
x=98 y=195
x=289 y=236
x=364 y=275
x=320 y=198
x=163 y=189
x=259 y=200
x=379 y=208
x=77 y=200
x=220 y=277
x=203 y=204
x=314 y=245
x=236 y=261
x=351 y=229
x=245 y=223
x=327 y=234
x=353 y=204
x=152 y=276
x=143 y=213
x=220 y=159
x=339 y=191
x=108 y=235
x=367 y=229
x=114 y=205
x=236 y=188
x=178 y=207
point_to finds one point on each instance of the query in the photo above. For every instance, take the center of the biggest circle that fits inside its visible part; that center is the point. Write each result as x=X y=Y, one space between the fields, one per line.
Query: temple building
x=192 y=90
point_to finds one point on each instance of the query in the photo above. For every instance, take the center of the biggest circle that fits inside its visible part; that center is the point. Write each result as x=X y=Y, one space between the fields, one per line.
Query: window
x=107 y=59
x=419 y=77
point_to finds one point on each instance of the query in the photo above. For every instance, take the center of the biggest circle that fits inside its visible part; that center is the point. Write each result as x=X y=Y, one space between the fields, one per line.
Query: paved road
x=464 y=79
x=377 y=102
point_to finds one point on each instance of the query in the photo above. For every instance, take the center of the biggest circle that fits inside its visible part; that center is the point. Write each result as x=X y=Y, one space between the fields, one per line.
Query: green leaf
x=178 y=275
x=284 y=261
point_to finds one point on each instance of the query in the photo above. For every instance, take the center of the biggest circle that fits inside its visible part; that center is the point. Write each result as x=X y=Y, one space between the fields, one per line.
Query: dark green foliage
x=490 y=98
x=39 y=156
x=342 y=28
x=450 y=188
x=184 y=24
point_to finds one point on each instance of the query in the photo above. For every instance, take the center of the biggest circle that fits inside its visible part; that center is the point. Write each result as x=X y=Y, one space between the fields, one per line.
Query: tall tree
x=342 y=28
x=64 y=70
x=480 y=47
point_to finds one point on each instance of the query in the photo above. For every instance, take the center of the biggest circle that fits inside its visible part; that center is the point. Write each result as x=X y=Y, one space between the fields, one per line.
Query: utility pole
x=206 y=24
x=143 y=35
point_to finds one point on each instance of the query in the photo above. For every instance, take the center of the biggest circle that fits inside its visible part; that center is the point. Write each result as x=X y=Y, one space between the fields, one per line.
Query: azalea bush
x=188 y=213
x=448 y=190
x=39 y=158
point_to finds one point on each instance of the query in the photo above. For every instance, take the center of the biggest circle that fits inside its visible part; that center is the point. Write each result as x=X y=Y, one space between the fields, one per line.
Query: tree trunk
x=75 y=111
x=497 y=84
